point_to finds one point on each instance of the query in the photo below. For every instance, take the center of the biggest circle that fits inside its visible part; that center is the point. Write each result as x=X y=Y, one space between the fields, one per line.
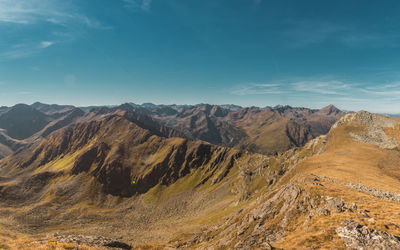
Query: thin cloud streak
x=28 y=12
x=330 y=89
x=303 y=33
x=144 y=5
x=46 y=44
x=62 y=14
x=318 y=87
x=257 y=89
x=325 y=88
x=349 y=95
x=19 y=51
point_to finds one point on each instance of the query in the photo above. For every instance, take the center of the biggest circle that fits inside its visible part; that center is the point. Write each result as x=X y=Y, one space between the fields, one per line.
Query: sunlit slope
x=113 y=178
x=362 y=148
x=345 y=194
x=111 y=173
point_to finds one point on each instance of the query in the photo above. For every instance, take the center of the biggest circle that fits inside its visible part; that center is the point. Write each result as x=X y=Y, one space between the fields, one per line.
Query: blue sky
x=249 y=52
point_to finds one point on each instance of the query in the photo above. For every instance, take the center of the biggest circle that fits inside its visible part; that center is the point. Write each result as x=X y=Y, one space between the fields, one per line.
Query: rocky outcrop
x=381 y=194
x=269 y=219
x=374 y=125
x=357 y=236
x=91 y=241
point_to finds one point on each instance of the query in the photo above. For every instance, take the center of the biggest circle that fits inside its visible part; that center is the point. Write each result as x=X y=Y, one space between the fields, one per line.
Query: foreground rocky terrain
x=116 y=178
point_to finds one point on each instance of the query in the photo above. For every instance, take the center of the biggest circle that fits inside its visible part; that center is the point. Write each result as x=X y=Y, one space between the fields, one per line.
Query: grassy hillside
x=126 y=184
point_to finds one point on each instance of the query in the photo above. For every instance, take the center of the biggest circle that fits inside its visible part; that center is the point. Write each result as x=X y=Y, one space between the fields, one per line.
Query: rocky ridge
x=374 y=125
x=357 y=236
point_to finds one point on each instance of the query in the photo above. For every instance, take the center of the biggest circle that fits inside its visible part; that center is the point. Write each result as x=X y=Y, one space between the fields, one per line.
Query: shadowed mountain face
x=266 y=131
x=23 y=124
x=22 y=121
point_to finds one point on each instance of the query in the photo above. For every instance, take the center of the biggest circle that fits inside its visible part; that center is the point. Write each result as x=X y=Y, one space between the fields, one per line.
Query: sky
x=308 y=53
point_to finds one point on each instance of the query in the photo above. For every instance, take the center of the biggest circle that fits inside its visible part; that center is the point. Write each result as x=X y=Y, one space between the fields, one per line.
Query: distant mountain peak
x=330 y=109
x=148 y=105
x=50 y=108
x=231 y=106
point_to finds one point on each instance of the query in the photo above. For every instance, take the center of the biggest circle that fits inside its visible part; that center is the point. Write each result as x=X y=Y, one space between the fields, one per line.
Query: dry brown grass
x=348 y=161
x=182 y=208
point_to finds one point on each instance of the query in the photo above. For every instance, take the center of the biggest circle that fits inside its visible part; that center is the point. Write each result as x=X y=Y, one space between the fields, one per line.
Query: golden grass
x=345 y=160
x=61 y=163
x=319 y=231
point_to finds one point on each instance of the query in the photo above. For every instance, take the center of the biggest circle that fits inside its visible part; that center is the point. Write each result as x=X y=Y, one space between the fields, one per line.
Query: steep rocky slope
x=345 y=194
x=267 y=131
x=111 y=172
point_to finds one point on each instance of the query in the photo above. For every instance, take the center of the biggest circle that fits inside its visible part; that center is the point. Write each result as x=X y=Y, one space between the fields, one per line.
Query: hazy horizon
x=192 y=104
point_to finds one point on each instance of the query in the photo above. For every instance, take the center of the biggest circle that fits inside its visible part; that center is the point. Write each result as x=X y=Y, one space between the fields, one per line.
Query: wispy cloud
x=319 y=87
x=24 y=50
x=46 y=44
x=376 y=97
x=257 y=89
x=303 y=33
x=144 y=5
x=33 y=11
x=63 y=15
x=391 y=90
x=384 y=86
x=331 y=91
x=322 y=87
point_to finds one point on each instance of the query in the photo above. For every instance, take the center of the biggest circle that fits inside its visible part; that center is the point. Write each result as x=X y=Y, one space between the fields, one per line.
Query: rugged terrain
x=115 y=177
x=266 y=131
x=111 y=173
x=343 y=195
x=260 y=130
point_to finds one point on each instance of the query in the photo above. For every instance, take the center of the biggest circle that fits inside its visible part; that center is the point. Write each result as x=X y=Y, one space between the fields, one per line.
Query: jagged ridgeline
x=122 y=177
x=112 y=166
x=261 y=130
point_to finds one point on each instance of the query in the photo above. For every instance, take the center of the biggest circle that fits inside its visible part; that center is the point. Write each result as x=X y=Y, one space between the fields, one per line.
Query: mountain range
x=262 y=130
x=198 y=177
